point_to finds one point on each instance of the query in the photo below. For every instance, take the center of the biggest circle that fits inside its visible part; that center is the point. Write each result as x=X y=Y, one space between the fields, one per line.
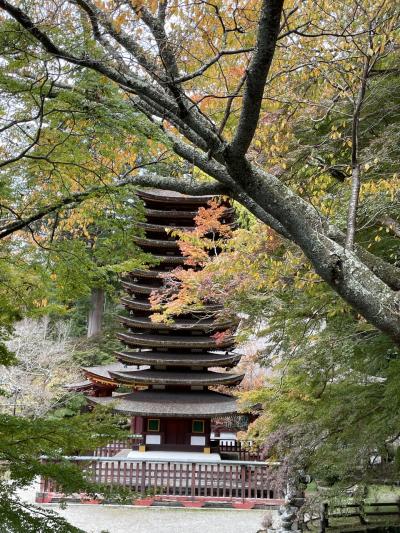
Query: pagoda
x=169 y=367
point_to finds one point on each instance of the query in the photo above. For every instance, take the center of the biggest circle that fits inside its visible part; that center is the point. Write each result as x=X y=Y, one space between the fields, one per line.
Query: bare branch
x=369 y=61
x=212 y=62
x=34 y=141
x=231 y=99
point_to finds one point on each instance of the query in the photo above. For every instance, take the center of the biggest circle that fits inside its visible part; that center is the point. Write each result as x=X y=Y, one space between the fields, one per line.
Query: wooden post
x=324 y=517
x=193 y=481
x=137 y=477
x=143 y=480
x=361 y=513
x=243 y=479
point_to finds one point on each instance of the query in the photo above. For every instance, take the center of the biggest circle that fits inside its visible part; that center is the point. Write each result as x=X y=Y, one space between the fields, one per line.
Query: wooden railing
x=116 y=446
x=364 y=513
x=224 y=479
x=245 y=450
x=240 y=450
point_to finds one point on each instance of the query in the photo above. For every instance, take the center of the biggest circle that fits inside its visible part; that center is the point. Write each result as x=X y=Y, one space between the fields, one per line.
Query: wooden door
x=175 y=431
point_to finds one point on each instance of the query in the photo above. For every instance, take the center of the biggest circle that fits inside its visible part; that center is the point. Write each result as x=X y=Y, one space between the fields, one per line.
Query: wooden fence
x=365 y=513
x=224 y=479
x=238 y=450
x=244 y=450
x=115 y=446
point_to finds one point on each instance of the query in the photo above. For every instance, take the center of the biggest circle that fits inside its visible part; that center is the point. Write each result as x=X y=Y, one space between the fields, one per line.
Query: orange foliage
x=208 y=220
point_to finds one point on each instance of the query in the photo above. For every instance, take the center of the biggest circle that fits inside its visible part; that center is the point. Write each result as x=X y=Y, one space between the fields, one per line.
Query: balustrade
x=225 y=479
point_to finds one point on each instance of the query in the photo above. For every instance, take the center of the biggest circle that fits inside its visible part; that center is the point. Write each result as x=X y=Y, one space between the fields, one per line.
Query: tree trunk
x=353 y=206
x=95 y=318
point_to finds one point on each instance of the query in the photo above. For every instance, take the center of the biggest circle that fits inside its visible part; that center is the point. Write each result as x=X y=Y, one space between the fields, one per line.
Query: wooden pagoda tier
x=166 y=403
x=168 y=364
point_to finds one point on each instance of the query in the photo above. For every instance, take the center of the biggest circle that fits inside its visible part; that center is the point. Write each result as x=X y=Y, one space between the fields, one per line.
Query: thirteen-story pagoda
x=168 y=365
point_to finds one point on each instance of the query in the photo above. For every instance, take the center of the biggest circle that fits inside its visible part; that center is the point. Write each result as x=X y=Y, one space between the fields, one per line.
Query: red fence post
x=243 y=480
x=193 y=481
x=143 y=480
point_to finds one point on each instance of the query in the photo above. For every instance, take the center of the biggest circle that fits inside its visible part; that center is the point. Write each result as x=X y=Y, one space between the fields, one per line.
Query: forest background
x=293 y=111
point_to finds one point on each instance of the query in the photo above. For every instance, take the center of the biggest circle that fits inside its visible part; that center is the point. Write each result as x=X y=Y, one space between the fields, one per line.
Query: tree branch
x=257 y=73
x=97 y=16
x=355 y=163
x=182 y=185
x=34 y=141
x=131 y=81
x=211 y=62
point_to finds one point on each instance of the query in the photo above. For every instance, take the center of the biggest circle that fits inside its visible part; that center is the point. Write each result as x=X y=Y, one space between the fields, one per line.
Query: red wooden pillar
x=137 y=425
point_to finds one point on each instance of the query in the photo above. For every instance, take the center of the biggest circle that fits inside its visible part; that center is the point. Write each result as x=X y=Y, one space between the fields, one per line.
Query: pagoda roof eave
x=138 y=288
x=172 y=341
x=142 y=273
x=141 y=305
x=179 y=324
x=156 y=377
x=163 y=228
x=156 y=243
x=205 y=404
x=199 y=360
x=173 y=197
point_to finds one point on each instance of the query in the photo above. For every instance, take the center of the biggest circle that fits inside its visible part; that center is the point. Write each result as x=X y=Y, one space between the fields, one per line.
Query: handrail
x=179 y=461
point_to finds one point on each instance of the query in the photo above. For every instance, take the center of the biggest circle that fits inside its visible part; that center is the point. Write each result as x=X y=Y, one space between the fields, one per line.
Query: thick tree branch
x=385 y=271
x=257 y=73
x=162 y=11
x=156 y=27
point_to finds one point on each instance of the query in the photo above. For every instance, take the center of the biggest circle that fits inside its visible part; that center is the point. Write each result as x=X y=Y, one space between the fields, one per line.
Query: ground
x=125 y=519
x=118 y=519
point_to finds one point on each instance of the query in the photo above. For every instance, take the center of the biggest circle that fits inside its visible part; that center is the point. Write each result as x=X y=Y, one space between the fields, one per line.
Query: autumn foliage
x=220 y=261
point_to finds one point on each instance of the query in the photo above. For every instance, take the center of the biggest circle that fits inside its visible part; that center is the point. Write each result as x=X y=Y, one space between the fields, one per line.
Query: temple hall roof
x=101 y=374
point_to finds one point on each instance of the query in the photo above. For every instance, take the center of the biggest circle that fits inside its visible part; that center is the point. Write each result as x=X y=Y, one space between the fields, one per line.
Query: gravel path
x=124 y=519
x=117 y=519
